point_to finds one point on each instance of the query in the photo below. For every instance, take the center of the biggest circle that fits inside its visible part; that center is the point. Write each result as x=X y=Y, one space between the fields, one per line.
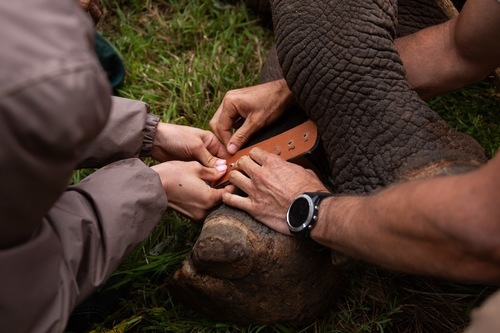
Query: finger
x=247 y=165
x=237 y=201
x=84 y=4
x=95 y=12
x=240 y=181
x=219 y=192
x=211 y=174
x=241 y=136
x=261 y=157
x=214 y=146
x=215 y=196
x=207 y=159
x=221 y=123
x=230 y=188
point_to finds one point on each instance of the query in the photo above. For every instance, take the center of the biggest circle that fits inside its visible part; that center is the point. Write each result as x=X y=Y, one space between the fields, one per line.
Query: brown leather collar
x=289 y=145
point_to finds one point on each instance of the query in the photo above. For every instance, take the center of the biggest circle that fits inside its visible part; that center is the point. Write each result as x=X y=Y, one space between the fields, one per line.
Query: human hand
x=188 y=193
x=259 y=106
x=271 y=184
x=92 y=7
x=177 y=142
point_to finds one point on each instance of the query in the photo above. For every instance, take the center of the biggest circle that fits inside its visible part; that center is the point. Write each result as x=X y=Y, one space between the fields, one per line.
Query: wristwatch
x=303 y=212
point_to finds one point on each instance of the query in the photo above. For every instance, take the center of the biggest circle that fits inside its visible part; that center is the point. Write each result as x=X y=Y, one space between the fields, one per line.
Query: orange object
x=290 y=145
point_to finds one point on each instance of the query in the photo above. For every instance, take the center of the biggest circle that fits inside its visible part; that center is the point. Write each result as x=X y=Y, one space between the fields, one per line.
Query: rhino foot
x=243 y=272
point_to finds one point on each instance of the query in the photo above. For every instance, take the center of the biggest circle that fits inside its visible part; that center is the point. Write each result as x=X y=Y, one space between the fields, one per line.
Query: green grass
x=181 y=58
x=474 y=111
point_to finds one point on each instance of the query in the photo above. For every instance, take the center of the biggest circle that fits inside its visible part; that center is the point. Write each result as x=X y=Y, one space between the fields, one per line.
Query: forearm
x=118 y=205
x=129 y=132
x=444 y=227
x=449 y=56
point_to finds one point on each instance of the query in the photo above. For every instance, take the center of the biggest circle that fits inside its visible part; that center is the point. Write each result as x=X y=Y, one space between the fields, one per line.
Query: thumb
x=240 y=137
x=212 y=174
x=209 y=160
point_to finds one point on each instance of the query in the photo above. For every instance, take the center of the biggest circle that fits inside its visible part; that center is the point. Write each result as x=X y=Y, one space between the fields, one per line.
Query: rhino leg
x=339 y=60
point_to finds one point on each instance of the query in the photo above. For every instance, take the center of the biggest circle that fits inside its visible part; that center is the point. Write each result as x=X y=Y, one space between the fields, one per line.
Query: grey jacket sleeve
x=129 y=132
x=78 y=244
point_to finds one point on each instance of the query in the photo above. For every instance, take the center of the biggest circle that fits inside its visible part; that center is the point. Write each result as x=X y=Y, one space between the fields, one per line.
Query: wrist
x=160 y=142
x=160 y=170
x=335 y=221
x=287 y=98
x=150 y=134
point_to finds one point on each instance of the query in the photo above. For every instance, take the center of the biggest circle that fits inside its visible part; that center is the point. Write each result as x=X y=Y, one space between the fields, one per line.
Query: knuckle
x=241 y=161
x=274 y=160
x=213 y=123
x=195 y=166
x=231 y=103
x=241 y=136
x=259 y=178
x=231 y=94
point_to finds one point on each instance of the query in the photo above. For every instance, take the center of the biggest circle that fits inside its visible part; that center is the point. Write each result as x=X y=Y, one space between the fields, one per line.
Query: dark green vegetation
x=182 y=57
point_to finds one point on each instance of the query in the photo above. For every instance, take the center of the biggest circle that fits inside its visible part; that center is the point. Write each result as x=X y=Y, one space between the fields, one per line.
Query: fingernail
x=232 y=148
x=220 y=162
x=221 y=168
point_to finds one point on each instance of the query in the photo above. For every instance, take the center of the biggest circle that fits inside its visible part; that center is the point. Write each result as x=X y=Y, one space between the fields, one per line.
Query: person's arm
x=78 y=244
x=452 y=55
x=54 y=100
x=129 y=132
x=445 y=226
x=101 y=219
x=132 y=131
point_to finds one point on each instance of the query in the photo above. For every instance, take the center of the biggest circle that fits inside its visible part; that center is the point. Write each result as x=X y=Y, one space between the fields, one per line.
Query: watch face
x=299 y=212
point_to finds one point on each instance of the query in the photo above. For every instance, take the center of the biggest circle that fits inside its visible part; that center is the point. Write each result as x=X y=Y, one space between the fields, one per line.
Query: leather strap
x=290 y=145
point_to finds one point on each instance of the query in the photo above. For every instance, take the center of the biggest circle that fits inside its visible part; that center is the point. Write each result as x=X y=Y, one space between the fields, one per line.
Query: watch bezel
x=313 y=199
x=310 y=214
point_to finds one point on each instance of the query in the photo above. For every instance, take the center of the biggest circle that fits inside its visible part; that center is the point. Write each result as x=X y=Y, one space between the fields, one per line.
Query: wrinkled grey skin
x=340 y=62
x=388 y=133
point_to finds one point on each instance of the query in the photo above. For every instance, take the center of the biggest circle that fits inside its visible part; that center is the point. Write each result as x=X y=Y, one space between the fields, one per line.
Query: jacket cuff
x=149 y=133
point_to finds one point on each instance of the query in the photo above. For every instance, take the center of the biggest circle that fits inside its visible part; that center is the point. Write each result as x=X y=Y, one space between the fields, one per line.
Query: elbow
x=488 y=257
x=476 y=63
x=482 y=251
